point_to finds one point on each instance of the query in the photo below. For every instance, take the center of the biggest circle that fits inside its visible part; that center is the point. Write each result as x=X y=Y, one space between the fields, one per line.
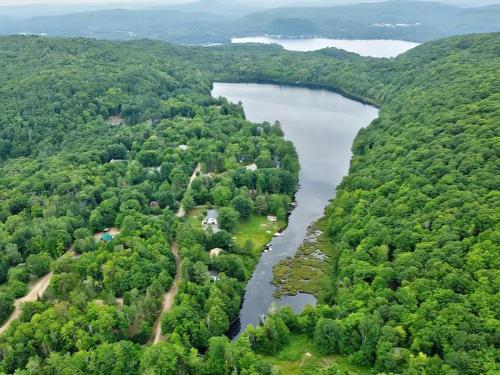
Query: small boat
x=262 y=318
x=278 y=234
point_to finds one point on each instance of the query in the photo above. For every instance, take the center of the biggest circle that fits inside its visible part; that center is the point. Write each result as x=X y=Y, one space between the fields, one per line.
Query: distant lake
x=372 y=47
x=322 y=125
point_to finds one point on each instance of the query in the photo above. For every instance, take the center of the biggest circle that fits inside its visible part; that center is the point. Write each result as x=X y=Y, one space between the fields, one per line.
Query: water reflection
x=322 y=125
x=371 y=47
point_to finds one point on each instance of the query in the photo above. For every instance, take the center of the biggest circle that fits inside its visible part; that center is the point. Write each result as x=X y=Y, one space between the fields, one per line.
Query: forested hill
x=104 y=146
x=408 y=20
x=100 y=134
x=417 y=219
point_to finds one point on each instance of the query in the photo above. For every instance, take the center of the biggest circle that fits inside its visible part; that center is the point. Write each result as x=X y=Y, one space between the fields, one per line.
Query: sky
x=139 y=3
x=91 y=2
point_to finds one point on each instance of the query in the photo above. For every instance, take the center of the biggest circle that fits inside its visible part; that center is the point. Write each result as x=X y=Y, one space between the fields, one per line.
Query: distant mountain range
x=216 y=22
x=412 y=20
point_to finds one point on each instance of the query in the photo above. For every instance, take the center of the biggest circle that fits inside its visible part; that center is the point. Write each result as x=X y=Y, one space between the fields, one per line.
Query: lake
x=322 y=125
x=372 y=47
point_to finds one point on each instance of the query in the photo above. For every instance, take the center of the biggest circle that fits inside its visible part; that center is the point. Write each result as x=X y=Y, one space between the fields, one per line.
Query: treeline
x=415 y=218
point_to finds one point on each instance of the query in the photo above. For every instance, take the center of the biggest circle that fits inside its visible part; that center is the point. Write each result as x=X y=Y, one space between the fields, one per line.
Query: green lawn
x=197 y=213
x=301 y=356
x=258 y=230
x=255 y=229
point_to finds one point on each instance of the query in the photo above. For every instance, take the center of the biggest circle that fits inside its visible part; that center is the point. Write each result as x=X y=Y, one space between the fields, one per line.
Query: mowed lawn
x=258 y=230
x=301 y=356
x=198 y=213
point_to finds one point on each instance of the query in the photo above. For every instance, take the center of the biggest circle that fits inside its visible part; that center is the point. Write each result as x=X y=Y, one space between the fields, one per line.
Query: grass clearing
x=197 y=213
x=300 y=356
x=258 y=230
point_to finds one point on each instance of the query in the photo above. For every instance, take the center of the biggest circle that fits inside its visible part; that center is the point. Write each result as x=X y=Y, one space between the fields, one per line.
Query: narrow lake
x=372 y=47
x=322 y=125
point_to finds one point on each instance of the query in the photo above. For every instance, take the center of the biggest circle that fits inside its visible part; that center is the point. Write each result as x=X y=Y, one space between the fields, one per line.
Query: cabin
x=272 y=219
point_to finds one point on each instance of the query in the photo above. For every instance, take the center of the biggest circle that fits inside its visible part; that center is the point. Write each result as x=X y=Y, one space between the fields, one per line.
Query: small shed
x=106 y=237
x=214 y=253
x=272 y=219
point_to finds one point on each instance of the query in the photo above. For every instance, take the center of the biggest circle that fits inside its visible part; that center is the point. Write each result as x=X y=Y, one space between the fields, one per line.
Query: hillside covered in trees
x=107 y=134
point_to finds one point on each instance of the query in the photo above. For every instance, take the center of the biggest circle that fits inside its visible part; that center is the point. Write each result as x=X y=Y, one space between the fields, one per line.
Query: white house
x=210 y=221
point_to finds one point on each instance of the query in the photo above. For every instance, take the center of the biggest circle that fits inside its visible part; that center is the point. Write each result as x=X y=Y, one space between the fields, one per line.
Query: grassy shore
x=258 y=230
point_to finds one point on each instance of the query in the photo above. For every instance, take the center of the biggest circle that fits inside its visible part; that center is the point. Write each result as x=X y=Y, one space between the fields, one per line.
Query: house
x=210 y=221
x=214 y=253
x=183 y=147
x=272 y=219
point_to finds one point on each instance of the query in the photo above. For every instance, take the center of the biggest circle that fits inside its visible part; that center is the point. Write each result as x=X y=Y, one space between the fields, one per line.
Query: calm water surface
x=322 y=125
x=372 y=47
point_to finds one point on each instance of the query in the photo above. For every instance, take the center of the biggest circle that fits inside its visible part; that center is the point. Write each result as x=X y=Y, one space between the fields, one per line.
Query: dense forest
x=107 y=135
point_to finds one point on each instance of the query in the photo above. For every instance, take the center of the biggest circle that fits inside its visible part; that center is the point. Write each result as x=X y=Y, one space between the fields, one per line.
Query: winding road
x=38 y=289
x=169 y=297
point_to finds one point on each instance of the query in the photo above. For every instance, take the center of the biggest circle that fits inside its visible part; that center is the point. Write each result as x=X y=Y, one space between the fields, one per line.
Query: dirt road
x=36 y=292
x=169 y=297
x=181 y=212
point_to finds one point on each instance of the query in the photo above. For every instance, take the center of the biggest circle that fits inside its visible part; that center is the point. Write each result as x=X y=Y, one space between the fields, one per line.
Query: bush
x=38 y=264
